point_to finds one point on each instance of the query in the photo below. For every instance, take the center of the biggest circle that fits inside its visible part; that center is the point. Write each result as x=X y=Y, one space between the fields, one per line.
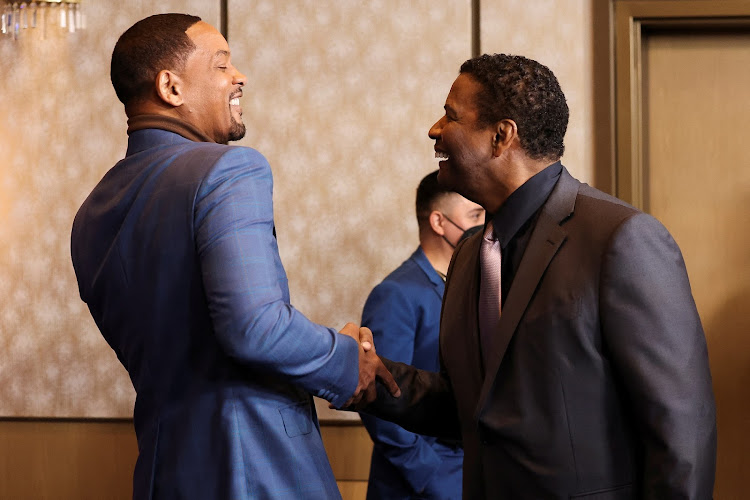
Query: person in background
x=573 y=363
x=175 y=254
x=403 y=313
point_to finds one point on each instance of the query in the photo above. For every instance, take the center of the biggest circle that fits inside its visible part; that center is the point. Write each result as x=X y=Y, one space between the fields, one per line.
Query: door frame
x=631 y=18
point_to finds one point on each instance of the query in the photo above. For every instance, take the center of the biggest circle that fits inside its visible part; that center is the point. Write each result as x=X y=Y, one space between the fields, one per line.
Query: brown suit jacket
x=597 y=384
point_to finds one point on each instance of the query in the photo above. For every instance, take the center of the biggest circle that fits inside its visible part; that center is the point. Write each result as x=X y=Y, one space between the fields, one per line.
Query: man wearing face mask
x=403 y=313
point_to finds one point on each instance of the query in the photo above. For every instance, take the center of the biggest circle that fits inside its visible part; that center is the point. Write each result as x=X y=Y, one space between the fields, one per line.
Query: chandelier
x=43 y=15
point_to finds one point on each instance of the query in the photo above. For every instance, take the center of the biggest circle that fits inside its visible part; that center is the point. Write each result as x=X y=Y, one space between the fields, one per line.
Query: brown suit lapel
x=546 y=238
x=458 y=320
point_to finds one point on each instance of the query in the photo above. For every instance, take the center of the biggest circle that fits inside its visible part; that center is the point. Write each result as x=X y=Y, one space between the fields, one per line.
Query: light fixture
x=46 y=14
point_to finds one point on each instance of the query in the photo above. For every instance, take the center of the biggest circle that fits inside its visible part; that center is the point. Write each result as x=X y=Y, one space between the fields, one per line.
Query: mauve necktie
x=489 y=290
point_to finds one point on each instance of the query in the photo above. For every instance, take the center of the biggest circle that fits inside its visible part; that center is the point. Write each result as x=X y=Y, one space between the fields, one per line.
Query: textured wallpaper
x=340 y=100
x=558 y=34
x=340 y=96
x=61 y=129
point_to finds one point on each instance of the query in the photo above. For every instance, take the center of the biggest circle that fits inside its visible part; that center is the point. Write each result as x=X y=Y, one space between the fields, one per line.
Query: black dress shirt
x=516 y=218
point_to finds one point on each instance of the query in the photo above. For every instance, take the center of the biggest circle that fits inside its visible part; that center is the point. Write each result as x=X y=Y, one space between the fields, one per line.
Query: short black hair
x=526 y=92
x=149 y=46
x=429 y=193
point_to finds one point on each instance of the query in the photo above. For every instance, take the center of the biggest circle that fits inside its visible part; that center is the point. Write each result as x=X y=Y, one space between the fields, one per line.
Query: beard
x=236 y=131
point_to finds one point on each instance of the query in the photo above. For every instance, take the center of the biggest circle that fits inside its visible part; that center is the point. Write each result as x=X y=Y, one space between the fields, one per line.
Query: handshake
x=371 y=369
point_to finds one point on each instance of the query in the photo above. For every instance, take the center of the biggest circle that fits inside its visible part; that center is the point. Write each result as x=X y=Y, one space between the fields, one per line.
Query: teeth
x=441 y=155
x=235 y=101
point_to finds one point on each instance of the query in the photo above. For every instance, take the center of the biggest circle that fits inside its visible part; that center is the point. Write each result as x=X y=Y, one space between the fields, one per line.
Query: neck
x=168 y=123
x=149 y=113
x=438 y=253
x=514 y=173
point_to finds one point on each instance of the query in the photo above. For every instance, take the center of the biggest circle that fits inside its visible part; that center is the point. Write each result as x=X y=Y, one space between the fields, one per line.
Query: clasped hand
x=371 y=368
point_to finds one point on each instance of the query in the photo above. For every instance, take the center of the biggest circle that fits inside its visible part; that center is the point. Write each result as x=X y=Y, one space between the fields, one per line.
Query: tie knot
x=489 y=233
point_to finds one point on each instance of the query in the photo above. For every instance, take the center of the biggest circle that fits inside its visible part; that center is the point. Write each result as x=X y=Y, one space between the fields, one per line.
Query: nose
x=239 y=78
x=436 y=129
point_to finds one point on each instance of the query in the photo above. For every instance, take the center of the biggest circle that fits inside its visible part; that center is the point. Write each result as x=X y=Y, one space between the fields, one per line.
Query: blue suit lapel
x=545 y=241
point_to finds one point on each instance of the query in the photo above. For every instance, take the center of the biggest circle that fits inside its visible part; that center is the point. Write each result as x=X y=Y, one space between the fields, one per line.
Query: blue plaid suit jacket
x=176 y=257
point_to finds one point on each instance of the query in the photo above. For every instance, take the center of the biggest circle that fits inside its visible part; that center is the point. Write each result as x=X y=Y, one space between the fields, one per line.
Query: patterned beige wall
x=61 y=129
x=340 y=96
x=557 y=33
x=339 y=99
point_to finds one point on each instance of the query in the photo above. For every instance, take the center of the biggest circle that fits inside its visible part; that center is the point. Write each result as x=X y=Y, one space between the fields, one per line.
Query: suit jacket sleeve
x=426 y=405
x=657 y=345
x=246 y=285
x=393 y=319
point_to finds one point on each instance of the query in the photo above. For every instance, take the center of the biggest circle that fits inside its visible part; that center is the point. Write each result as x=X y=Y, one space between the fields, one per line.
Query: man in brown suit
x=593 y=381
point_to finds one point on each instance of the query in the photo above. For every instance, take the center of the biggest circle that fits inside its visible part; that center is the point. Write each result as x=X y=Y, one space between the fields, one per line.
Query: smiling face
x=212 y=87
x=462 y=143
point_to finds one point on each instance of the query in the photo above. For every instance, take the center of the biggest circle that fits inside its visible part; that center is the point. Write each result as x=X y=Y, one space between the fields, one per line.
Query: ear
x=436 y=222
x=506 y=131
x=169 y=87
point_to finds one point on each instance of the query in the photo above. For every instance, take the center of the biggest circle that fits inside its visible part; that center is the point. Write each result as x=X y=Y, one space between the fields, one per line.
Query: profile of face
x=212 y=86
x=457 y=215
x=462 y=143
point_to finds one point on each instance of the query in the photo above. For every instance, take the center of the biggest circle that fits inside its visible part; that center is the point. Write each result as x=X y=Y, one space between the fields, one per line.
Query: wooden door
x=696 y=124
x=683 y=111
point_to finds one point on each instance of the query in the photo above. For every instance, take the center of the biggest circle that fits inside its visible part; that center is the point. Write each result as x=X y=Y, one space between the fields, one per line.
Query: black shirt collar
x=524 y=202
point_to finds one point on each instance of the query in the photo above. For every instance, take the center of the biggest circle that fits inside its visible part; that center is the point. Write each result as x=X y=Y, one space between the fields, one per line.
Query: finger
x=365 y=339
x=354 y=400
x=370 y=394
x=385 y=376
x=350 y=329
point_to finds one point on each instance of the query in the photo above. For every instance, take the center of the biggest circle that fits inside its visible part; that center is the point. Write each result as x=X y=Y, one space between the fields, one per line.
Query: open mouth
x=441 y=156
x=234 y=103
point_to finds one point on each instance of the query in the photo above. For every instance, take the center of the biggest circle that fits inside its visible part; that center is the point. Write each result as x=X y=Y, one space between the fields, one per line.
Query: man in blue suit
x=403 y=313
x=175 y=254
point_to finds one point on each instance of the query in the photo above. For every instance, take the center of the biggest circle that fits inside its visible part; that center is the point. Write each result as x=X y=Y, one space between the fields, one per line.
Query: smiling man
x=573 y=363
x=175 y=254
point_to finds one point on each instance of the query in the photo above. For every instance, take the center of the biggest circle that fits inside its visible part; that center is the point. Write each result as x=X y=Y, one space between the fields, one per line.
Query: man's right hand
x=371 y=368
